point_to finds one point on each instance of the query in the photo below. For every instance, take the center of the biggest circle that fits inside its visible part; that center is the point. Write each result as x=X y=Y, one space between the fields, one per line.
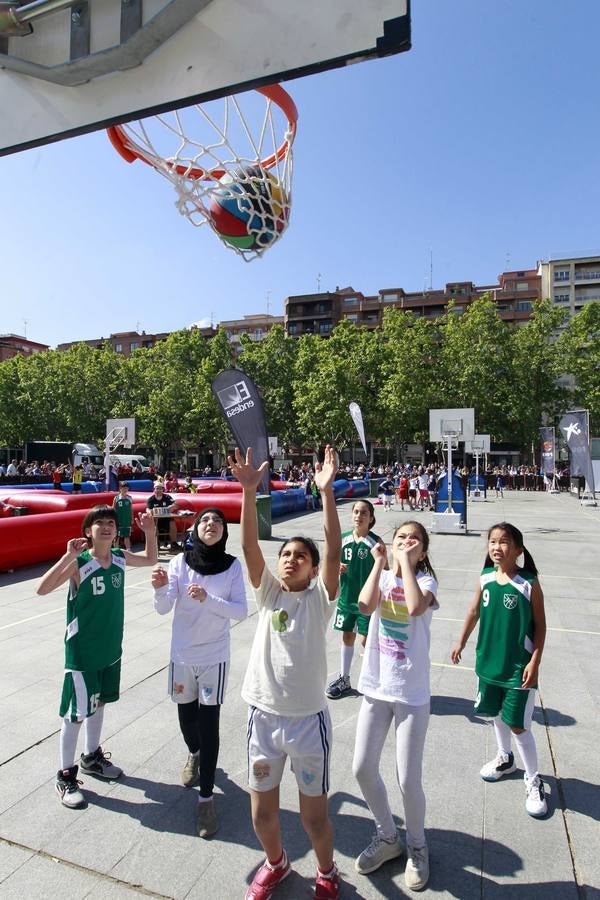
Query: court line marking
x=31 y=618
x=544 y=575
x=548 y=627
x=50 y=612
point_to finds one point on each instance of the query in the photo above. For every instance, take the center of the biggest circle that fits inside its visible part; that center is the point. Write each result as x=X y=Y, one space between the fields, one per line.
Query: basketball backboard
x=94 y=63
x=479 y=443
x=120 y=433
x=455 y=423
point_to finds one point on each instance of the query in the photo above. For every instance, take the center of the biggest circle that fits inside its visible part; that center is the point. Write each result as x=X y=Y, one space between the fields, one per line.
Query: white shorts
x=305 y=739
x=206 y=684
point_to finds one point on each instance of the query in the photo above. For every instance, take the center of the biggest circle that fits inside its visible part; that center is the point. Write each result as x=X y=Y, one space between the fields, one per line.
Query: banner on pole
x=242 y=408
x=574 y=426
x=357 y=418
x=548 y=441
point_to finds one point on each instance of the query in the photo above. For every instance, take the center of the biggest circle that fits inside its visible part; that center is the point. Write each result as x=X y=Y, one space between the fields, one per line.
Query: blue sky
x=479 y=147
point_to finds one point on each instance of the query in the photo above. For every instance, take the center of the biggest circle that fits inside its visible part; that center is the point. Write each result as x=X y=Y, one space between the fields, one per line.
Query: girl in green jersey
x=509 y=606
x=94 y=569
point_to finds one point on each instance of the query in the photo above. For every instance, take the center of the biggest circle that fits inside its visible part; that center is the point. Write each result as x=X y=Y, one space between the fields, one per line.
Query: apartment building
x=255 y=325
x=514 y=293
x=16 y=345
x=126 y=342
x=570 y=281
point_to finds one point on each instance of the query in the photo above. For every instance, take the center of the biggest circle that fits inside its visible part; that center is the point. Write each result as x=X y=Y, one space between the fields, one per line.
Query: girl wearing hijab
x=205 y=589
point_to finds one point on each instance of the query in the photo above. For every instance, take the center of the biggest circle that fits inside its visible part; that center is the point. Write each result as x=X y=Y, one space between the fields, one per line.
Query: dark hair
x=95 y=513
x=371 y=509
x=424 y=565
x=308 y=543
x=517 y=538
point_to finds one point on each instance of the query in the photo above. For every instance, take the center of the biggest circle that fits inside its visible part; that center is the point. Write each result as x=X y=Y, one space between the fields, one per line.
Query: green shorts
x=344 y=620
x=83 y=691
x=514 y=705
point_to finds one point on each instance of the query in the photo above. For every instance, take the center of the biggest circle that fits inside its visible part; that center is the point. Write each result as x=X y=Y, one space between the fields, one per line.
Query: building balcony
x=587 y=275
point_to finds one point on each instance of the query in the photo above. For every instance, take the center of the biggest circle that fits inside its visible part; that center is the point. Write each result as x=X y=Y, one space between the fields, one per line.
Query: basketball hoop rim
x=130 y=151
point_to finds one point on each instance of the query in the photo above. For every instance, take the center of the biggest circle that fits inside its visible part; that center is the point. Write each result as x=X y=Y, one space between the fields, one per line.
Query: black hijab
x=205 y=559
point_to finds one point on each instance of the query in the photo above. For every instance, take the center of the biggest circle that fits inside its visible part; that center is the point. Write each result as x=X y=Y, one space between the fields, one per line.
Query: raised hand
x=76 y=545
x=146 y=521
x=159 y=577
x=243 y=469
x=378 y=552
x=325 y=472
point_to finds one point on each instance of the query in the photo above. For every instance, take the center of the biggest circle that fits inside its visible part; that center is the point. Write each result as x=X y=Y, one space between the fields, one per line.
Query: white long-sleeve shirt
x=200 y=634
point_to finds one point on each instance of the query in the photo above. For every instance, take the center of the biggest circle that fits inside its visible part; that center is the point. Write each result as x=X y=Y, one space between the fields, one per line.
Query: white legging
x=410 y=722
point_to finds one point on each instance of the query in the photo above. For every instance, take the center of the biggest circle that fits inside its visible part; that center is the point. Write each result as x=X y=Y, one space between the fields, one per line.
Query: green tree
x=536 y=395
x=271 y=363
x=475 y=367
x=408 y=376
x=61 y=396
x=13 y=412
x=578 y=354
x=330 y=374
x=163 y=389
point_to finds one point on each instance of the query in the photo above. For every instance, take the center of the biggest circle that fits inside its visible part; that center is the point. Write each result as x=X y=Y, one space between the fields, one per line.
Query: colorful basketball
x=250 y=209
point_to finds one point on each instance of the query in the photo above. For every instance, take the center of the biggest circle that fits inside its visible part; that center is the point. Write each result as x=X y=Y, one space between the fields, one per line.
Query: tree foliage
x=578 y=351
x=510 y=375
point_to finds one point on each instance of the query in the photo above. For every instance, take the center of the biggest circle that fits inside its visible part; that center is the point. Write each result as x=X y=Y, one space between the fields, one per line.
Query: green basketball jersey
x=357 y=556
x=505 y=641
x=95 y=612
x=123 y=507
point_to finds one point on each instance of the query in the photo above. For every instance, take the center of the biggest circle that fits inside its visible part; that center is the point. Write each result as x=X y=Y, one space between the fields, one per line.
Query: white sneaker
x=416 y=873
x=67 y=788
x=503 y=764
x=377 y=853
x=535 y=801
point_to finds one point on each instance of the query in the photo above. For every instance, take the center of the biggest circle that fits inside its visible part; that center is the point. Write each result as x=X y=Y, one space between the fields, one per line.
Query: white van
x=83 y=453
x=132 y=459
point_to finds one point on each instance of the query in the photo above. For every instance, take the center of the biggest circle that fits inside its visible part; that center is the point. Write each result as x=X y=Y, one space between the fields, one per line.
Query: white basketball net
x=223 y=149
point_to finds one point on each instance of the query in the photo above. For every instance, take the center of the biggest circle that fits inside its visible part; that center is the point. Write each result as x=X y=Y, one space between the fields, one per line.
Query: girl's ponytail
x=530 y=566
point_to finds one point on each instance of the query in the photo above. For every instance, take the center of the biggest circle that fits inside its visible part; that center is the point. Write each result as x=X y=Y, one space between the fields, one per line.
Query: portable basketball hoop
x=451 y=427
x=478 y=445
x=233 y=176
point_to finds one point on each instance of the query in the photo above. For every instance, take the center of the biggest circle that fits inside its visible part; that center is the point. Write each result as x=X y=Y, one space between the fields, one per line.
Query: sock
x=93 y=729
x=528 y=752
x=330 y=873
x=278 y=862
x=69 y=733
x=503 y=734
x=202 y=799
x=346 y=659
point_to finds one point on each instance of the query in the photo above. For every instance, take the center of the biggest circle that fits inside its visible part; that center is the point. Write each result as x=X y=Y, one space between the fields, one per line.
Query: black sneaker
x=338 y=688
x=67 y=788
x=99 y=765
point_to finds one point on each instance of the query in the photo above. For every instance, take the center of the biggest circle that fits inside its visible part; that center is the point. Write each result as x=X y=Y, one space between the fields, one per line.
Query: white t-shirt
x=287 y=670
x=200 y=634
x=396 y=661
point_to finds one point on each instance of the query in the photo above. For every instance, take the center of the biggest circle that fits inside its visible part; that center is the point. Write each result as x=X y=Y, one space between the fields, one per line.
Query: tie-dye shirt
x=396 y=661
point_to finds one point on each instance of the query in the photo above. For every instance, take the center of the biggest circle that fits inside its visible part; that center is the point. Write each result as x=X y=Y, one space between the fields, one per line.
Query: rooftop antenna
x=507 y=261
x=25 y=328
x=319 y=276
x=137 y=327
x=268 y=296
x=430 y=269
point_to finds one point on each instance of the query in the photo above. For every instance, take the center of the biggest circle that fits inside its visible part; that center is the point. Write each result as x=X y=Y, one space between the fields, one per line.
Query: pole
x=450 y=474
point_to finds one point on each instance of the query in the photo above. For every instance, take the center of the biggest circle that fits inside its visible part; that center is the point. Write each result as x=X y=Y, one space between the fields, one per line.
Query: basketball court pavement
x=136 y=837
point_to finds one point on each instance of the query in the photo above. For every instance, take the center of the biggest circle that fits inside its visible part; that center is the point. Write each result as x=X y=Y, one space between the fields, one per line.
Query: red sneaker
x=268 y=877
x=327 y=887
